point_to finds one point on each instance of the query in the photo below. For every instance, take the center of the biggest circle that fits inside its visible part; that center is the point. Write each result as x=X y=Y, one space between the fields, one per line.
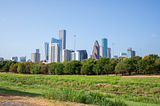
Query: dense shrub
x=36 y=69
x=44 y=69
x=21 y=68
x=14 y=68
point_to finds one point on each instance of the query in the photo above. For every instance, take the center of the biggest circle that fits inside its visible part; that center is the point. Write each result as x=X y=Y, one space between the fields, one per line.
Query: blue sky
x=25 y=24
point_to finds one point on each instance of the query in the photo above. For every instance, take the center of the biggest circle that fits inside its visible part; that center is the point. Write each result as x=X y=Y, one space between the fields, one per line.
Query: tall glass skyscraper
x=129 y=52
x=105 y=46
x=44 y=51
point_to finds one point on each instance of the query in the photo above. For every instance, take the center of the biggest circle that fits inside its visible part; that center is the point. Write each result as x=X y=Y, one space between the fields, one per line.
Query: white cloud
x=153 y=36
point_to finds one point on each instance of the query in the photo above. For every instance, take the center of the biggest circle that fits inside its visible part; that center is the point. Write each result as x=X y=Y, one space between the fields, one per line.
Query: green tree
x=98 y=68
x=121 y=67
x=72 y=67
x=52 y=67
x=108 y=68
x=59 y=68
x=14 y=68
x=44 y=69
x=142 y=65
x=21 y=68
x=113 y=63
x=5 y=68
x=157 y=66
x=36 y=69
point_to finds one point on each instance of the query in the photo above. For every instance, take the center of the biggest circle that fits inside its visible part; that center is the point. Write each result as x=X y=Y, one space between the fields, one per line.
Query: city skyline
x=125 y=23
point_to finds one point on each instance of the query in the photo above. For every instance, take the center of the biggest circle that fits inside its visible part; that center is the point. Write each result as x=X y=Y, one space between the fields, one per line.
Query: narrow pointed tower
x=95 y=52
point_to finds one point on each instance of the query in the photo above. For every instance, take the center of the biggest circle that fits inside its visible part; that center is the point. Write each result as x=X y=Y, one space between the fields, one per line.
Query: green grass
x=132 y=86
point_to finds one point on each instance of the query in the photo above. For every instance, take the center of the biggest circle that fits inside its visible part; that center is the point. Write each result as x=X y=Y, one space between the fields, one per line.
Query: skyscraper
x=62 y=35
x=104 y=44
x=66 y=55
x=61 y=41
x=14 y=58
x=81 y=54
x=101 y=51
x=44 y=49
x=35 y=57
x=23 y=59
x=129 y=52
x=95 y=52
x=133 y=53
x=109 y=53
x=54 y=52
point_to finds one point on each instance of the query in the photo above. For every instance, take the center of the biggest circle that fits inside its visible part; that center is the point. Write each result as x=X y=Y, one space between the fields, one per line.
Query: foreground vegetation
x=136 y=65
x=73 y=88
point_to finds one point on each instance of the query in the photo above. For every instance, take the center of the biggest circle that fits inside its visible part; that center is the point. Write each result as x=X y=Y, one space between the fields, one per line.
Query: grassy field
x=90 y=88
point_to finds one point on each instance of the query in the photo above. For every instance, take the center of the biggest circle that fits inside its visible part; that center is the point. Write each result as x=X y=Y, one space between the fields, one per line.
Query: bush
x=36 y=69
x=21 y=68
x=14 y=68
x=44 y=69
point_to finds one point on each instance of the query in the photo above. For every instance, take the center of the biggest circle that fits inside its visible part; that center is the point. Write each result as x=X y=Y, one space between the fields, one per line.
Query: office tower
x=81 y=54
x=95 y=52
x=62 y=35
x=54 y=52
x=44 y=49
x=101 y=51
x=123 y=55
x=71 y=55
x=104 y=44
x=133 y=53
x=1 y=59
x=129 y=52
x=115 y=56
x=35 y=57
x=14 y=58
x=61 y=41
x=23 y=59
x=109 y=53
x=66 y=55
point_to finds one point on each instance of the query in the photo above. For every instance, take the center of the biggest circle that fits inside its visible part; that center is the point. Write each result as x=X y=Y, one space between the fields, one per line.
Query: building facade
x=81 y=54
x=133 y=53
x=101 y=51
x=54 y=52
x=14 y=58
x=129 y=52
x=109 y=53
x=104 y=44
x=44 y=51
x=123 y=55
x=62 y=35
x=95 y=52
x=23 y=59
x=72 y=55
x=66 y=55
x=35 y=57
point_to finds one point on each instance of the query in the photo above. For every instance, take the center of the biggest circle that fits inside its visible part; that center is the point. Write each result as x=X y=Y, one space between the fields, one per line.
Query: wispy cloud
x=153 y=36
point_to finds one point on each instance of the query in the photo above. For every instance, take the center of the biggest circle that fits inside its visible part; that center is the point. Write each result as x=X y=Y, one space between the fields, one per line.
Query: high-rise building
x=61 y=41
x=101 y=51
x=54 y=52
x=104 y=44
x=95 y=52
x=123 y=55
x=109 y=53
x=35 y=57
x=81 y=54
x=44 y=49
x=23 y=59
x=62 y=35
x=133 y=53
x=129 y=52
x=66 y=55
x=72 y=55
x=1 y=59
x=14 y=58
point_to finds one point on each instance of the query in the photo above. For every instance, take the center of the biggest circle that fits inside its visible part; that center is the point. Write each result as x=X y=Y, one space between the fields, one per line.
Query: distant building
x=35 y=57
x=14 y=58
x=123 y=55
x=115 y=56
x=61 y=41
x=133 y=53
x=101 y=51
x=1 y=59
x=129 y=52
x=23 y=59
x=54 y=52
x=95 y=52
x=104 y=44
x=109 y=53
x=81 y=54
x=44 y=51
x=66 y=55
x=72 y=55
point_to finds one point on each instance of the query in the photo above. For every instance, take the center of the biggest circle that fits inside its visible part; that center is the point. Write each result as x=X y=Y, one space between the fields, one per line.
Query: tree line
x=150 y=64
